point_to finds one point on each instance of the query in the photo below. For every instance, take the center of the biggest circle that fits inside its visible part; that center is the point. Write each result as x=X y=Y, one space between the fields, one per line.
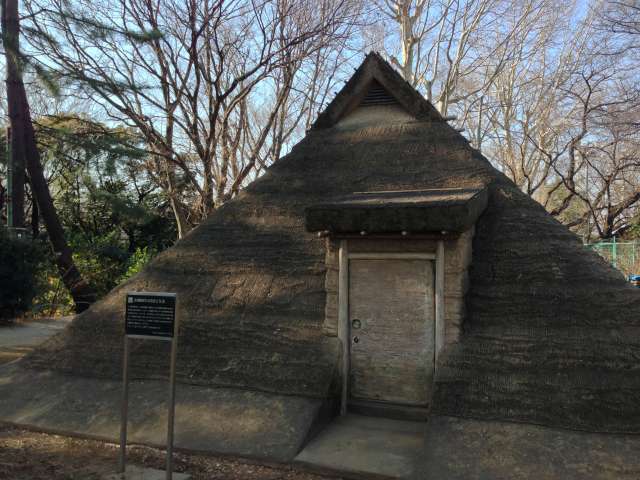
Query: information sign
x=151 y=315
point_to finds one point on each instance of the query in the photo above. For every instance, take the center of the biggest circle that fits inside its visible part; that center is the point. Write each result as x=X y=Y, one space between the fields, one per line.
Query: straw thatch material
x=552 y=334
x=448 y=210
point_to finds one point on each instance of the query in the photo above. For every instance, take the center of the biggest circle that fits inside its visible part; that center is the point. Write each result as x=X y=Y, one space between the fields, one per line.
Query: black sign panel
x=151 y=314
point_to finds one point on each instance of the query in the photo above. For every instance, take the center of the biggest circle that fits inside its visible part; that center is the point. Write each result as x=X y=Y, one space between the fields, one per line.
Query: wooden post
x=439 y=287
x=344 y=330
x=124 y=407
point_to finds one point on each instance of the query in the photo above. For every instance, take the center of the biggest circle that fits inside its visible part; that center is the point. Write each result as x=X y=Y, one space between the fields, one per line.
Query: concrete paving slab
x=134 y=472
x=220 y=420
x=462 y=449
x=367 y=446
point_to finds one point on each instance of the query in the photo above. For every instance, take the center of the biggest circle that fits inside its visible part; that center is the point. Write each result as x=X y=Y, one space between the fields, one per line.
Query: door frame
x=344 y=327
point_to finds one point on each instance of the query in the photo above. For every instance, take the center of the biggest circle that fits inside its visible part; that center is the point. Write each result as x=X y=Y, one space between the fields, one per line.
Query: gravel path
x=18 y=338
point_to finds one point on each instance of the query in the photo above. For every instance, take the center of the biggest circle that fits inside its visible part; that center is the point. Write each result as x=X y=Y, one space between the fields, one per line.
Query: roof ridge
x=376 y=68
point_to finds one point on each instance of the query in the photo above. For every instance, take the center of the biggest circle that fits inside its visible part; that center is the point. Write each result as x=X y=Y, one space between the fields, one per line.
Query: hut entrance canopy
x=401 y=274
x=415 y=211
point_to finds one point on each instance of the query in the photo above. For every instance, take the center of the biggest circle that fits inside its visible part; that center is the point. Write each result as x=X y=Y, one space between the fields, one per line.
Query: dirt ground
x=26 y=455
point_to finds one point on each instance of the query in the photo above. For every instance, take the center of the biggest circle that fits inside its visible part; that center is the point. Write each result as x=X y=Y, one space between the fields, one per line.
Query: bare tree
x=548 y=91
x=190 y=76
x=523 y=102
x=562 y=127
x=453 y=49
x=595 y=159
x=621 y=19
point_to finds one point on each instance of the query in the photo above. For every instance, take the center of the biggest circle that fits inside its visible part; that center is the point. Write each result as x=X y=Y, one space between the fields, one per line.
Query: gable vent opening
x=377 y=95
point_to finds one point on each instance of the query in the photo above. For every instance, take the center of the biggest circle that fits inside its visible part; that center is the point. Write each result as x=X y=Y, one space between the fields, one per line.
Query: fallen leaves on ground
x=27 y=455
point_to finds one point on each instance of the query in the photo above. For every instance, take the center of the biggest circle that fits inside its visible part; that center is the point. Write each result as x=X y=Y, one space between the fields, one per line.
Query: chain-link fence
x=625 y=256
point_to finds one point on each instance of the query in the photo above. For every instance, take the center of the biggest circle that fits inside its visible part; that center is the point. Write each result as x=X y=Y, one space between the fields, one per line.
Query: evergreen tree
x=24 y=148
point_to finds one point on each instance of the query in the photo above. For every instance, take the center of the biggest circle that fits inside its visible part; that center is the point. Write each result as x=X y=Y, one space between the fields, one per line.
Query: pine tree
x=23 y=137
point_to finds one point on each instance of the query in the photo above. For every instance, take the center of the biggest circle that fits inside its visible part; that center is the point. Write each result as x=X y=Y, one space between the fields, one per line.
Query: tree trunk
x=15 y=147
x=23 y=134
x=174 y=201
x=35 y=215
x=3 y=192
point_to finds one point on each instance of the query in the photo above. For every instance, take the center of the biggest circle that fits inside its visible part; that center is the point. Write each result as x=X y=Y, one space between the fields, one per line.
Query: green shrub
x=20 y=265
x=52 y=298
x=137 y=261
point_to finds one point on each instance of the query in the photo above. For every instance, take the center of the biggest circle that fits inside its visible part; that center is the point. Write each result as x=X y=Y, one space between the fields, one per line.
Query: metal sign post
x=149 y=315
x=172 y=406
x=125 y=406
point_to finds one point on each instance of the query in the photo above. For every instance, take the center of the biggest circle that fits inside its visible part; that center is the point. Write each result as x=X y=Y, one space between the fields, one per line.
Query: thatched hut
x=385 y=265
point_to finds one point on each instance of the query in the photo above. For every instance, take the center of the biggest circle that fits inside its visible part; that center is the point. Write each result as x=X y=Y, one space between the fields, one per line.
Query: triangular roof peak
x=375 y=71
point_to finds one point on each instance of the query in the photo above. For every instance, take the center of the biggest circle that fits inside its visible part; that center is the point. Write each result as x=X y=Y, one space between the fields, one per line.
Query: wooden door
x=391 y=314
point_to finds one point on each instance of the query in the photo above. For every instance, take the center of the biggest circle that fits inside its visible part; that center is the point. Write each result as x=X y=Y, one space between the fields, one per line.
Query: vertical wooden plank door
x=391 y=313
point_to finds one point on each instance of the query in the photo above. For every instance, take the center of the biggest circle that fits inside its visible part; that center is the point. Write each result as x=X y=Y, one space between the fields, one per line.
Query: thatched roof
x=552 y=334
